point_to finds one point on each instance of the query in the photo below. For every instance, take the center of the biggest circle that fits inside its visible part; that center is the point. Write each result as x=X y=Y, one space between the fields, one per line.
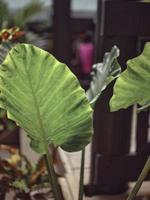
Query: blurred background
x=78 y=33
x=57 y=27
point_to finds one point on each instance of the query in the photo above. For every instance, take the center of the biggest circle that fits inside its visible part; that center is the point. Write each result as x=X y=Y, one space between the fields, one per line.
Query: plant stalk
x=81 y=187
x=140 y=180
x=52 y=176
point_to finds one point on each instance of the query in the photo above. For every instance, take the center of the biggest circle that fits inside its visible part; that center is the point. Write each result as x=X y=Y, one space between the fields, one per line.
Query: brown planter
x=10 y=137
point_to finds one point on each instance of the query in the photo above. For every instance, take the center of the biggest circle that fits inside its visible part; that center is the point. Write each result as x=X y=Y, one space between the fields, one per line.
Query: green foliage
x=17 y=174
x=133 y=85
x=42 y=96
x=4 y=14
x=4 y=49
x=8 y=38
x=102 y=74
x=23 y=15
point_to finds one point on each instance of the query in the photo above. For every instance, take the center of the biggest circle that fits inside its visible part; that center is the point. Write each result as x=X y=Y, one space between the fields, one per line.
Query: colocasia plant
x=43 y=97
x=133 y=87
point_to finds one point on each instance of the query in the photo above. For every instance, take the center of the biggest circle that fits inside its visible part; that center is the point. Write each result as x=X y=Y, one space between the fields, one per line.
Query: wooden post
x=62 y=30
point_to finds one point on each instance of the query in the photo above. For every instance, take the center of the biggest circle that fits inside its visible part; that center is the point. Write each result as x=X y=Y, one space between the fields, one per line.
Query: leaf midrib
x=37 y=108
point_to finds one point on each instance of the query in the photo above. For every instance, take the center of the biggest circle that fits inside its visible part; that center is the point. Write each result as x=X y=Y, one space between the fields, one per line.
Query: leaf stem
x=80 y=197
x=140 y=180
x=52 y=176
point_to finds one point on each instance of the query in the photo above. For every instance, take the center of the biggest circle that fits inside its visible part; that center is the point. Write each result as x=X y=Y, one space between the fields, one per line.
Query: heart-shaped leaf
x=45 y=99
x=133 y=85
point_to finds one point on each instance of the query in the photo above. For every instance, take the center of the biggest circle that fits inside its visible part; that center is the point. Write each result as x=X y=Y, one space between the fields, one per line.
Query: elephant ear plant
x=133 y=87
x=103 y=73
x=44 y=98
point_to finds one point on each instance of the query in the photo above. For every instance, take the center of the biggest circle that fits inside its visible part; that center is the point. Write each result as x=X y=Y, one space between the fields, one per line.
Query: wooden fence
x=127 y=25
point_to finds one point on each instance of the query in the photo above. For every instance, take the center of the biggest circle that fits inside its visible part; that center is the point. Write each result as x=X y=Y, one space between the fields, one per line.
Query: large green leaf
x=133 y=86
x=45 y=99
x=102 y=74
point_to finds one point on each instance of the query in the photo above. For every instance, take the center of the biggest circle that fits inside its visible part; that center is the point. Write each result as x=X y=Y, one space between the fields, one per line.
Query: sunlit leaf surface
x=44 y=98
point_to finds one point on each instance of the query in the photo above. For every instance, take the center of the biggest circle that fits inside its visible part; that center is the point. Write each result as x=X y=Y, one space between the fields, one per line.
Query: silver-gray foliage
x=103 y=73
